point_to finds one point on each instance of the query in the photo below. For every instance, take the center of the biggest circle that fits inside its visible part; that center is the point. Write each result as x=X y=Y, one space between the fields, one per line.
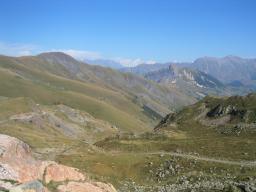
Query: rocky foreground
x=21 y=172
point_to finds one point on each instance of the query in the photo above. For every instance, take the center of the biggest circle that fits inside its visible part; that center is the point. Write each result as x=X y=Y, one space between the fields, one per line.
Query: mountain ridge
x=227 y=69
x=52 y=76
x=214 y=66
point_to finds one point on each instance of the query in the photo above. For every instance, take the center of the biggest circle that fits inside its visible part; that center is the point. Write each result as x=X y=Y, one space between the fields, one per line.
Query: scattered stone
x=247 y=188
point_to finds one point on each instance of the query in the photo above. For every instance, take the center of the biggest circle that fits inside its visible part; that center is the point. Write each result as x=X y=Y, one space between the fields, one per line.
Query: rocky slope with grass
x=229 y=115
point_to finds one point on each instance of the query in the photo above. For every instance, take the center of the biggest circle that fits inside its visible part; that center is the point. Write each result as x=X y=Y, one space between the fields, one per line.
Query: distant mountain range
x=105 y=63
x=143 y=69
x=205 y=76
x=193 y=82
x=230 y=71
x=176 y=73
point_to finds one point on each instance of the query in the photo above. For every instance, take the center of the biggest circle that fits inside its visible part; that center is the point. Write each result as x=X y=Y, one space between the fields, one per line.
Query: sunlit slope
x=145 y=93
x=55 y=77
x=44 y=88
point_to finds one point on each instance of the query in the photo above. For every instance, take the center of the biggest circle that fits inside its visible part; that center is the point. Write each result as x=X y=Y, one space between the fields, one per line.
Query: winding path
x=195 y=157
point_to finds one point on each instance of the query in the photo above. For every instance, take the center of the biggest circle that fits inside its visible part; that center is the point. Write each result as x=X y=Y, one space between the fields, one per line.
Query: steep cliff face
x=175 y=73
x=20 y=171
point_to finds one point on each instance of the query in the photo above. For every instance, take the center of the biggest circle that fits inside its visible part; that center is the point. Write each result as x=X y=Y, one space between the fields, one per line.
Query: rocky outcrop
x=20 y=171
x=85 y=187
x=221 y=110
x=230 y=116
x=167 y=120
x=16 y=161
x=57 y=173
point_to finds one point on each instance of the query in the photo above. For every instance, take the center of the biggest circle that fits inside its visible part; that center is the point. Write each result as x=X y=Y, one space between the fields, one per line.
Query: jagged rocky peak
x=174 y=70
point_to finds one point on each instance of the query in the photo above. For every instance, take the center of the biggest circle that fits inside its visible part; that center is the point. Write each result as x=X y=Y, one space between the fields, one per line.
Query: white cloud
x=19 y=49
x=150 y=62
x=16 y=49
x=91 y=55
x=81 y=54
x=133 y=62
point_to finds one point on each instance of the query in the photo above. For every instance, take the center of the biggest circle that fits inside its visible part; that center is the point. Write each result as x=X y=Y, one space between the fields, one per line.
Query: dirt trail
x=195 y=157
x=190 y=156
x=183 y=155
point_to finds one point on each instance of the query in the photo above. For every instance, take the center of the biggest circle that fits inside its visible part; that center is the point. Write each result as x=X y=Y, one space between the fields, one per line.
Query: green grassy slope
x=127 y=101
x=123 y=114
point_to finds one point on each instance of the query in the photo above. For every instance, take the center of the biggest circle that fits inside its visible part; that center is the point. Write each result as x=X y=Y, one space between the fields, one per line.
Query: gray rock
x=7 y=173
x=1 y=151
x=247 y=188
x=32 y=186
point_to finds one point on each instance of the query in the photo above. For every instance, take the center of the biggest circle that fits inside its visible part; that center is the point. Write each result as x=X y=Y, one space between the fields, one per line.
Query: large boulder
x=55 y=172
x=21 y=172
x=16 y=161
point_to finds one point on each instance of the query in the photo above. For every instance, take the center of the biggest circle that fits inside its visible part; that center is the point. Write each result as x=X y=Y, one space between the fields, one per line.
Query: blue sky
x=130 y=30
